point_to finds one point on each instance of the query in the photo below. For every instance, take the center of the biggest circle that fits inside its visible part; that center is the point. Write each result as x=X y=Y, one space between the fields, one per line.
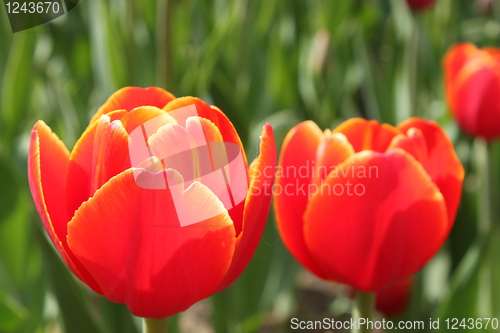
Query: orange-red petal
x=476 y=104
x=129 y=98
x=413 y=143
x=453 y=62
x=47 y=167
x=293 y=176
x=386 y=228
x=198 y=153
x=472 y=82
x=130 y=240
x=101 y=153
x=138 y=116
x=211 y=113
x=333 y=150
x=365 y=134
x=443 y=165
x=493 y=52
x=256 y=206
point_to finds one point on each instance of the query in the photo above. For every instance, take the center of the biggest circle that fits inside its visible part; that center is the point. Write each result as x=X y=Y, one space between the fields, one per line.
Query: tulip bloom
x=368 y=204
x=419 y=4
x=125 y=241
x=472 y=82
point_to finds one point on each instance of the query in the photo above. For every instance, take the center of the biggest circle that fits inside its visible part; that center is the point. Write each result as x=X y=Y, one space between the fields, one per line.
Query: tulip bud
x=418 y=5
x=394 y=300
x=472 y=83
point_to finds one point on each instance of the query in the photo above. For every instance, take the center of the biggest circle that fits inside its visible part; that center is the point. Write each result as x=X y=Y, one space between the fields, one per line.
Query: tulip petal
x=493 y=52
x=381 y=228
x=195 y=153
x=413 y=143
x=141 y=116
x=47 y=167
x=472 y=79
x=209 y=132
x=101 y=153
x=173 y=145
x=367 y=134
x=129 y=98
x=172 y=139
x=443 y=165
x=256 y=207
x=213 y=114
x=453 y=62
x=298 y=154
x=333 y=150
x=131 y=241
x=477 y=107
x=226 y=156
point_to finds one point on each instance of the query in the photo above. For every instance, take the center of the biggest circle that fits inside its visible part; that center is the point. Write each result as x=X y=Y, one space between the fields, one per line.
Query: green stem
x=413 y=49
x=486 y=211
x=492 y=204
x=164 y=43
x=486 y=227
x=365 y=304
x=132 y=45
x=154 y=325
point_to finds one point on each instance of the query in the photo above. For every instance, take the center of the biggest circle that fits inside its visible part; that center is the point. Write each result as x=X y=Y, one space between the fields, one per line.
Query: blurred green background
x=279 y=61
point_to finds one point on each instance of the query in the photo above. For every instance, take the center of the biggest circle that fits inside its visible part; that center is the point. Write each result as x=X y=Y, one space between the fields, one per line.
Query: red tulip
x=125 y=240
x=472 y=82
x=366 y=205
x=394 y=300
x=420 y=4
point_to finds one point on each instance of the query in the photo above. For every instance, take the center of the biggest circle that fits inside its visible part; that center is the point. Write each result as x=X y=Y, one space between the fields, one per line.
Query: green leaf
x=471 y=289
x=8 y=181
x=73 y=303
x=16 y=84
x=12 y=313
x=14 y=241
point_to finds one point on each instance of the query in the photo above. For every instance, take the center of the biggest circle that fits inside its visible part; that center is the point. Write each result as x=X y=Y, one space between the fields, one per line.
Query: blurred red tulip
x=420 y=4
x=394 y=300
x=472 y=82
x=366 y=205
x=126 y=241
